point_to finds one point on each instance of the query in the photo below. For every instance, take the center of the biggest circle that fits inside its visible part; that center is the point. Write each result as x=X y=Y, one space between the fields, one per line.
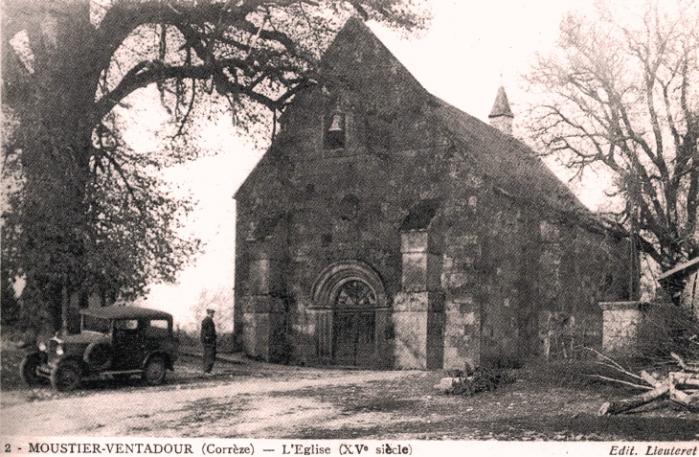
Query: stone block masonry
x=418 y=309
x=620 y=321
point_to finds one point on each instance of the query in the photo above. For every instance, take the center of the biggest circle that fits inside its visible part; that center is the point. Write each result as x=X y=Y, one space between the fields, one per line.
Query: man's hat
x=210 y=311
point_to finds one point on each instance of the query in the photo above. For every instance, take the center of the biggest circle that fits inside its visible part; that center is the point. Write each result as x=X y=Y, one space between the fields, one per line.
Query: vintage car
x=114 y=342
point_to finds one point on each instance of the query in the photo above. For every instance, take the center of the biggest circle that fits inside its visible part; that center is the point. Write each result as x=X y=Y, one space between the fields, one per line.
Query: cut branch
x=620 y=406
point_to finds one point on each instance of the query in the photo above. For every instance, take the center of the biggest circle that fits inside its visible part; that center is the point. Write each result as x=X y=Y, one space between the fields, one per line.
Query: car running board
x=108 y=374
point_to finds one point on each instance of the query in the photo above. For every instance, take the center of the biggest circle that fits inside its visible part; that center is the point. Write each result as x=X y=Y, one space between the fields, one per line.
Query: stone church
x=387 y=228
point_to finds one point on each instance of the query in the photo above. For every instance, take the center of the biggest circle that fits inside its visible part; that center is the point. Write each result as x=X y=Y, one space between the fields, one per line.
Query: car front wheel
x=65 y=376
x=154 y=372
x=27 y=369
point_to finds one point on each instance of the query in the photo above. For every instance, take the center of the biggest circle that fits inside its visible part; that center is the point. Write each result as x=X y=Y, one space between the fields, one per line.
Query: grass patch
x=577 y=374
x=10 y=359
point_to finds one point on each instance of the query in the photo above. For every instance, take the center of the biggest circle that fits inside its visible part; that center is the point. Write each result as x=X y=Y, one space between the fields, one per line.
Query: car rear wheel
x=65 y=376
x=27 y=369
x=154 y=372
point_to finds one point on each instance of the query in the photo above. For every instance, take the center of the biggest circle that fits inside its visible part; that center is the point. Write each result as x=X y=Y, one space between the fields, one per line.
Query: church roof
x=513 y=168
x=501 y=107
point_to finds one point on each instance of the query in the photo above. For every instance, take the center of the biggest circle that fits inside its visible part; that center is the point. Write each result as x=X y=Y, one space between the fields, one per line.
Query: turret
x=501 y=115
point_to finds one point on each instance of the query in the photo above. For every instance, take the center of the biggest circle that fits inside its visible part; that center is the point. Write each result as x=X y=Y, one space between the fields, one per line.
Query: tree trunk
x=685 y=399
x=65 y=306
x=674 y=287
x=619 y=406
x=57 y=122
x=684 y=379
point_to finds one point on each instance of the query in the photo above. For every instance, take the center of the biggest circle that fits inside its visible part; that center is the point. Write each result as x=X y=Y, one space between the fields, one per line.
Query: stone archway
x=349 y=302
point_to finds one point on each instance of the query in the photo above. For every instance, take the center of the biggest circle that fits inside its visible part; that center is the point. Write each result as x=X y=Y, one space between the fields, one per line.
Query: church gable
x=358 y=62
x=366 y=102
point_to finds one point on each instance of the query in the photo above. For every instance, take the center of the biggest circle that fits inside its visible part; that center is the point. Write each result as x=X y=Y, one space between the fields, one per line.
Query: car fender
x=70 y=358
x=92 y=352
x=43 y=356
x=163 y=354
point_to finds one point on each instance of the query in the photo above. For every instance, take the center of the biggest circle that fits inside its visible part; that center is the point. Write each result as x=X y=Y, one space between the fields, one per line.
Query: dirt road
x=230 y=407
x=260 y=400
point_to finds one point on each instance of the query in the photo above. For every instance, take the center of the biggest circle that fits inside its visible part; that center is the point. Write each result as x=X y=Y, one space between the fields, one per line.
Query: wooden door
x=344 y=338
x=365 y=346
x=354 y=325
x=353 y=342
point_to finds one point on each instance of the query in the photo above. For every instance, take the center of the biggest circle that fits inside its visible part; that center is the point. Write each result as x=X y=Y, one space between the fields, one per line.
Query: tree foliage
x=622 y=97
x=85 y=213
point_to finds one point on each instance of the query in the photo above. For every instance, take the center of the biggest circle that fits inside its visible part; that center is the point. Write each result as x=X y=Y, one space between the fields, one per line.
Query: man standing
x=208 y=340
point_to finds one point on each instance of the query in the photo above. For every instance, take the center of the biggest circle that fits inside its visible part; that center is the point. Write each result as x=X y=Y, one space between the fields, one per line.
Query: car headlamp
x=59 y=350
x=42 y=346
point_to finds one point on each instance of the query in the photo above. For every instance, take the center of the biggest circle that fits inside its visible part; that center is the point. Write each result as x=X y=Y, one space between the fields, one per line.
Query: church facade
x=386 y=228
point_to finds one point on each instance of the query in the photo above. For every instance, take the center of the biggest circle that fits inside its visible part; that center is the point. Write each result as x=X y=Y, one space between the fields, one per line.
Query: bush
x=668 y=328
x=502 y=362
x=576 y=374
x=482 y=380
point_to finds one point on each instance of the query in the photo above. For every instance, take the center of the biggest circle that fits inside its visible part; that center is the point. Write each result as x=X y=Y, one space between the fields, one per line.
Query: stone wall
x=579 y=269
x=520 y=282
x=510 y=272
x=264 y=302
x=620 y=326
x=418 y=309
x=463 y=275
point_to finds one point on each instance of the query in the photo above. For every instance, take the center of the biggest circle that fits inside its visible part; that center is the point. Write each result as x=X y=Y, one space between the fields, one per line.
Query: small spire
x=501 y=116
x=501 y=107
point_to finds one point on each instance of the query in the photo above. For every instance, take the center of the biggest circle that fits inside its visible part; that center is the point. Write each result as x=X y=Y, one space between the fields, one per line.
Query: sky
x=467 y=52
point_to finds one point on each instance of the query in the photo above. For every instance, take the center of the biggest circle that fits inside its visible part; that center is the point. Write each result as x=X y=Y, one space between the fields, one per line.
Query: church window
x=349 y=207
x=355 y=294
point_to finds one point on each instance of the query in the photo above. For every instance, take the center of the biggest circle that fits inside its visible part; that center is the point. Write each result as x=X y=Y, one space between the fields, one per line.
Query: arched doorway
x=350 y=308
x=354 y=324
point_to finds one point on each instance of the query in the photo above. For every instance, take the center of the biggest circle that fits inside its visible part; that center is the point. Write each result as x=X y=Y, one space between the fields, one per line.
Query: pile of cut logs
x=681 y=387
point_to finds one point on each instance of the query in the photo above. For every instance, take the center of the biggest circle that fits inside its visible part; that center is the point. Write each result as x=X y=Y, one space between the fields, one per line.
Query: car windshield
x=95 y=324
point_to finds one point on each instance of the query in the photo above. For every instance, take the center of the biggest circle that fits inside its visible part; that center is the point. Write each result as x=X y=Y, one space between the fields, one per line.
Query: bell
x=336 y=123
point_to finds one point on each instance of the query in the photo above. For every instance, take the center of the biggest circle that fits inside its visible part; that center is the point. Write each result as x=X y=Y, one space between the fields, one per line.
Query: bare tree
x=86 y=209
x=622 y=97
